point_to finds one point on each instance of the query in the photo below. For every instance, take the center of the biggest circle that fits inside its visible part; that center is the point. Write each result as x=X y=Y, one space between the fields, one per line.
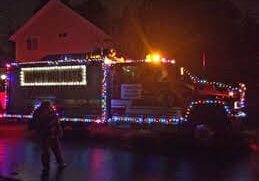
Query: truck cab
x=148 y=90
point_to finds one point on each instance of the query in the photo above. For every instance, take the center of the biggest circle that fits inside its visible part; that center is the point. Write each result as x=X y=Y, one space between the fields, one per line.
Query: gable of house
x=57 y=29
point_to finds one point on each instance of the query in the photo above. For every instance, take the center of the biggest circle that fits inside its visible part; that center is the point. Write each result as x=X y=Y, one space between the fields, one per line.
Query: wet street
x=103 y=161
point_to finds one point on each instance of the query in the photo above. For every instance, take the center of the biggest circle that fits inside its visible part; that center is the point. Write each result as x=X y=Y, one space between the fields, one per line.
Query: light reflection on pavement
x=20 y=158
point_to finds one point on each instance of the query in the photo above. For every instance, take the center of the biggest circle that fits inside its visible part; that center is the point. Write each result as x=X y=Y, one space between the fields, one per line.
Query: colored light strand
x=105 y=68
x=7 y=85
x=209 y=102
x=63 y=119
x=57 y=62
x=130 y=119
x=196 y=79
x=174 y=120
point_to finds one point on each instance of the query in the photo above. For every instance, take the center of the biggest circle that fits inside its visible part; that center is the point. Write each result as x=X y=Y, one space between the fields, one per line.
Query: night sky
x=13 y=14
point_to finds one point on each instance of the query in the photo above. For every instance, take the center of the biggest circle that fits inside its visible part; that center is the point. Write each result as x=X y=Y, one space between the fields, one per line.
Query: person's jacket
x=46 y=124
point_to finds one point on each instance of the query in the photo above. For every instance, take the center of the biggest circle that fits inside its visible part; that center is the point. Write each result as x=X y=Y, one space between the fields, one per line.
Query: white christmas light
x=3 y=76
x=53 y=68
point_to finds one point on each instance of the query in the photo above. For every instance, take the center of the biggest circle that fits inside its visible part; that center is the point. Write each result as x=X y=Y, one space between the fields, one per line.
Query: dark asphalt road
x=109 y=161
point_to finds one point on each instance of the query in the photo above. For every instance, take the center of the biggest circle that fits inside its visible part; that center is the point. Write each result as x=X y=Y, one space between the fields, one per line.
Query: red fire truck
x=157 y=91
x=154 y=91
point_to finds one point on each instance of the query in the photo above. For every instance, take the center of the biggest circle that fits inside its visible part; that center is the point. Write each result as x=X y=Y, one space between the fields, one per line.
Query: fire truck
x=2 y=92
x=101 y=89
x=158 y=91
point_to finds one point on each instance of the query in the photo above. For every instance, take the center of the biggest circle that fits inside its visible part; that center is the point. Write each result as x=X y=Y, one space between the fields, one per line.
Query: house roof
x=43 y=11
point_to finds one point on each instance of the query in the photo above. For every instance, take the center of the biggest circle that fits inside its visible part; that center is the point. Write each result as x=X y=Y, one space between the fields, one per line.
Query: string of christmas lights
x=23 y=72
x=208 y=102
x=174 y=120
x=105 y=68
x=7 y=84
x=196 y=79
x=106 y=63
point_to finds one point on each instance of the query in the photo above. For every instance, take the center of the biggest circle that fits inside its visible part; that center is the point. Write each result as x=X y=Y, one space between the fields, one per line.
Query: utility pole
x=204 y=61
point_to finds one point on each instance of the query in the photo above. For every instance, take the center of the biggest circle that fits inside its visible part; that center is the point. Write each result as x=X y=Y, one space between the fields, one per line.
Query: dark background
x=225 y=31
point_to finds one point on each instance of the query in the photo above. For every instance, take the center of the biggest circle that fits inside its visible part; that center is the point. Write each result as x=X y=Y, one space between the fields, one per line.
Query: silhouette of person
x=49 y=132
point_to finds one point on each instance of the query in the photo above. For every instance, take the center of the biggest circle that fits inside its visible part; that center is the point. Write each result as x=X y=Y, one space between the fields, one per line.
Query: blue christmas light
x=137 y=119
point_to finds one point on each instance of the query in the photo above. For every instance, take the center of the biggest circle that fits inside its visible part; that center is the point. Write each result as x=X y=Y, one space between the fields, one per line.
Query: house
x=56 y=29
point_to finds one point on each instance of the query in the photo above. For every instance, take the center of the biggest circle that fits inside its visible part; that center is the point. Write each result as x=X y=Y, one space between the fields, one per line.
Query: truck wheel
x=209 y=123
x=203 y=133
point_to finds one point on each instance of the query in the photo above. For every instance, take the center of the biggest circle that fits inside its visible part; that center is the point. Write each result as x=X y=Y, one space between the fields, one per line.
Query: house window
x=62 y=35
x=32 y=43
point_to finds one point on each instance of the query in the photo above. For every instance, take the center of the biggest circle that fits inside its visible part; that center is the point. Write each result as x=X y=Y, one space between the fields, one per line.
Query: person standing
x=49 y=132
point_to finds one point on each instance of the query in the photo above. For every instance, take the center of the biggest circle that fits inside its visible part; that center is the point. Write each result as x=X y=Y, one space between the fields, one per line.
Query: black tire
x=209 y=123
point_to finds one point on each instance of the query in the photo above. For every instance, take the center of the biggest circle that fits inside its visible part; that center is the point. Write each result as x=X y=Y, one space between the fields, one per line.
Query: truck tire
x=209 y=123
